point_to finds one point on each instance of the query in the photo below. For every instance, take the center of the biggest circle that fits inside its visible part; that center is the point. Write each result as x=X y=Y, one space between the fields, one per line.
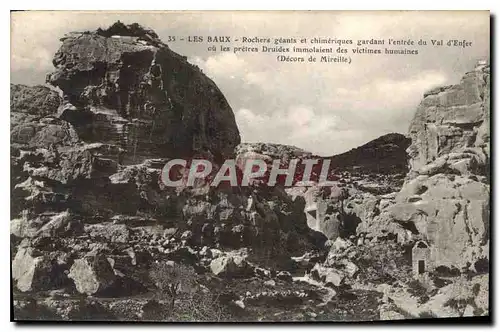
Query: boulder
x=230 y=266
x=33 y=272
x=92 y=274
x=61 y=224
x=349 y=267
x=270 y=283
x=42 y=133
x=222 y=266
x=327 y=275
x=285 y=276
x=448 y=119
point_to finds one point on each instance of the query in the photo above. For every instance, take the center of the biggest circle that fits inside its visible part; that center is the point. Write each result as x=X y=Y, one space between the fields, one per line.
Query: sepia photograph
x=250 y=166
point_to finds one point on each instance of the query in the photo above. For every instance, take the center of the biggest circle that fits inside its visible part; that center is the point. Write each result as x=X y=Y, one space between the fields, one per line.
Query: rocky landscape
x=96 y=235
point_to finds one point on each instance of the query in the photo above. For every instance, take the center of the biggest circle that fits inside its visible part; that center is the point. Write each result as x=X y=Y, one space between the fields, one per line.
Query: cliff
x=124 y=87
x=86 y=171
x=446 y=194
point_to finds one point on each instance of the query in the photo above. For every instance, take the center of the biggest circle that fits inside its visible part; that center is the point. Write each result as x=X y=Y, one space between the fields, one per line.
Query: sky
x=323 y=108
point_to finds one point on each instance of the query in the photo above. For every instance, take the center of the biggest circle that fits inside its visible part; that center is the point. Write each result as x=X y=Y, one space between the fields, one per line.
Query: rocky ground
x=95 y=235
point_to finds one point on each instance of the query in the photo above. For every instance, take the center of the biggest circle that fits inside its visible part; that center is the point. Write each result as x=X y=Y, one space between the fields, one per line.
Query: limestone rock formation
x=452 y=119
x=445 y=197
x=123 y=86
x=87 y=196
x=86 y=169
x=327 y=275
x=33 y=121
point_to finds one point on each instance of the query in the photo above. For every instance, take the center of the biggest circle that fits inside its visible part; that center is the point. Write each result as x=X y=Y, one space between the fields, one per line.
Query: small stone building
x=421 y=259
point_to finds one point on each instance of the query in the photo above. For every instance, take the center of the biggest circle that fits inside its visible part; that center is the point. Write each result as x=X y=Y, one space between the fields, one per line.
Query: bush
x=460 y=304
x=444 y=271
x=440 y=283
x=187 y=299
x=172 y=279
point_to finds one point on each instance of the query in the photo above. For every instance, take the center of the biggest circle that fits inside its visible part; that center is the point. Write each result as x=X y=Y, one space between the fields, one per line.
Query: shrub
x=172 y=279
x=459 y=304
x=187 y=299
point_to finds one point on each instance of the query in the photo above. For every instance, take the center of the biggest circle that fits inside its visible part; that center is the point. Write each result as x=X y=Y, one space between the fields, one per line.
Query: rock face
x=445 y=197
x=124 y=87
x=32 y=121
x=452 y=119
x=87 y=197
x=37 y=100
x=377 y=167
x=86 y=168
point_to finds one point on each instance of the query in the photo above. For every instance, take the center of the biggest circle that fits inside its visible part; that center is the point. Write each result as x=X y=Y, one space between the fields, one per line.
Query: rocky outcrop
x=445 y=197
x=383 y=155
x=453 y=119
x=87 y=195
x=34 y=100
x=86 y=170
x=274 y=151
x=378 y=166
x=123 y=86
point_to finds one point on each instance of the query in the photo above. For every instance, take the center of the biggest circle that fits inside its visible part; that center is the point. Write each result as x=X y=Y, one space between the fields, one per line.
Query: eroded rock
x=92 y=274
x=34 y=272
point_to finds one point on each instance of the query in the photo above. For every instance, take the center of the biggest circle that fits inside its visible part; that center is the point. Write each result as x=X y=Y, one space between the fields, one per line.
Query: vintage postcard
x=251 y=166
